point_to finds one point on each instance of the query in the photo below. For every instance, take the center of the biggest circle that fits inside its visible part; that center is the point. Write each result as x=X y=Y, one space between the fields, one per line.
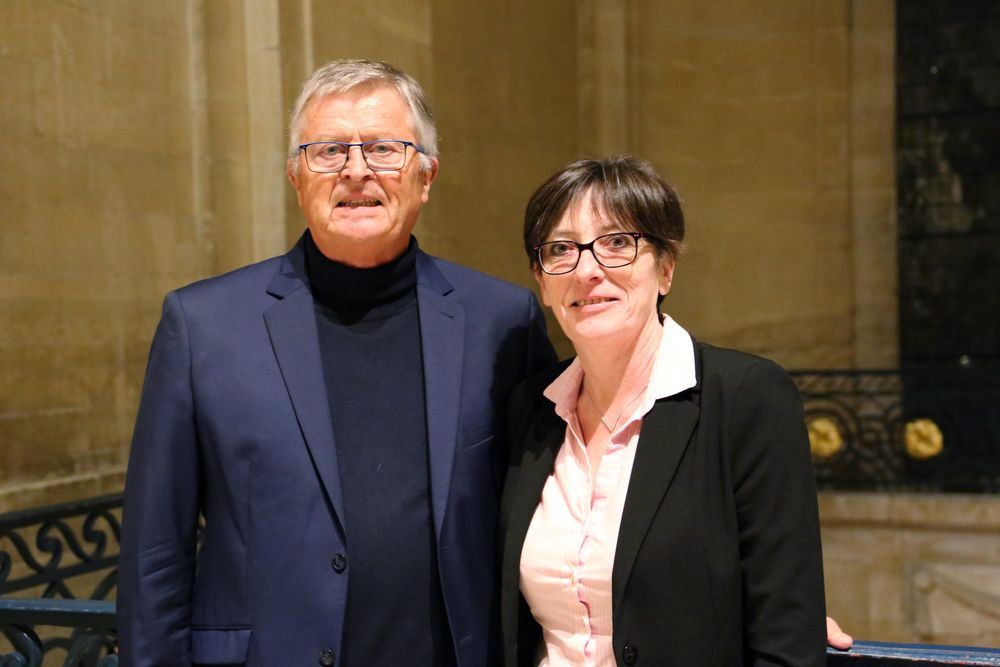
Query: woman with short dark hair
x=660 y=506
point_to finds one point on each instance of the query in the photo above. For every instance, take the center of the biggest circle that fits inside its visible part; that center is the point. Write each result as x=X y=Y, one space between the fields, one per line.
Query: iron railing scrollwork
x=53 y=553
x=858 y=417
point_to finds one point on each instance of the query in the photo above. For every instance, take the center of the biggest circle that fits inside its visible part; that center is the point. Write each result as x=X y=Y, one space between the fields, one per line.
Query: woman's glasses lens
x=610 y=250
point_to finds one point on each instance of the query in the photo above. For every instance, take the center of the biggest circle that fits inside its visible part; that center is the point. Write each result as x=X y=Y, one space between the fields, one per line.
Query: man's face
x=358 y=216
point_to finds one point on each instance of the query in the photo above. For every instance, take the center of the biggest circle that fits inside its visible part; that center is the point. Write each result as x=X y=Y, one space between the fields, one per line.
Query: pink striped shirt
x=569 y=551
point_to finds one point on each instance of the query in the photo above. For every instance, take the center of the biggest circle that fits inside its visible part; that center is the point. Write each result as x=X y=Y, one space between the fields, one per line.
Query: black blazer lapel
x=666 y=431
x=542 y=439
x=291 y=325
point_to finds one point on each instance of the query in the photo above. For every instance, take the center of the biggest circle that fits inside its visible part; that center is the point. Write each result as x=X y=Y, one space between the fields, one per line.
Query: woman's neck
x=614 y=372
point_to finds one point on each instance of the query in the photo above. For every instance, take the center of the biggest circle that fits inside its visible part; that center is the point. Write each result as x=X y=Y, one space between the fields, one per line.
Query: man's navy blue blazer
x=234 y=426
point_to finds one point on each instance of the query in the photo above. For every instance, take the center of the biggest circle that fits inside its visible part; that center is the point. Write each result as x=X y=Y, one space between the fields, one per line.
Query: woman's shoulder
x=720 y=365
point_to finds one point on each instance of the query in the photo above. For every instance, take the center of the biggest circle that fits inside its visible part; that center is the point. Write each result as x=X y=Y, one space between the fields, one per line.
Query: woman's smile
x=587 y=303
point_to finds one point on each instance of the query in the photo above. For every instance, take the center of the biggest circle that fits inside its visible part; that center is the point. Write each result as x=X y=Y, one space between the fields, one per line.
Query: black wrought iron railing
x=874 y=430
x=58 y=569
x=854 y=421
x=49 y=555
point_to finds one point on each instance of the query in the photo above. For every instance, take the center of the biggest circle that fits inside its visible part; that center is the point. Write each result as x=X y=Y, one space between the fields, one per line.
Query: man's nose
x=355 y=168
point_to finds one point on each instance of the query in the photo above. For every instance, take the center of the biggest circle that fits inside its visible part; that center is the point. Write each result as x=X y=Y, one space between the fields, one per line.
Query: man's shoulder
x=462 y=276
x=245 y=279
x=477 y=288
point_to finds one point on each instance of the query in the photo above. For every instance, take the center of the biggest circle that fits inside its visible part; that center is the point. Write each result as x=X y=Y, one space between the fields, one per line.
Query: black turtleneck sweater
x=369 y=335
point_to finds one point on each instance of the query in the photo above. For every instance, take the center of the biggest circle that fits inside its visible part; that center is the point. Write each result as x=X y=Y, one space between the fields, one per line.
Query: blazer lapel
x=442 y=336
x=291 y=325
x=543 y=438
x=666 y=431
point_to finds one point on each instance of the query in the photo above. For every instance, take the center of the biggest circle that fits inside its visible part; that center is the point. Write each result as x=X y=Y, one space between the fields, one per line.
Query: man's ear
x=293 y=178
x=428 y=174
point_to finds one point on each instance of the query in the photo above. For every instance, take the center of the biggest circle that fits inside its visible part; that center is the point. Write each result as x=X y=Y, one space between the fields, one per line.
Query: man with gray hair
x=333 y=417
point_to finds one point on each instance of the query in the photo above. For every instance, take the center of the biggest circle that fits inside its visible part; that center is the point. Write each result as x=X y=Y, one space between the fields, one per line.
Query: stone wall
x=913 y=568
x=773 y=120
x=97 y=222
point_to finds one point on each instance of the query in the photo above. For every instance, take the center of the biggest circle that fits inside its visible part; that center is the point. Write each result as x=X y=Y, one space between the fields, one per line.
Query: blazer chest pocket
x=229 y=646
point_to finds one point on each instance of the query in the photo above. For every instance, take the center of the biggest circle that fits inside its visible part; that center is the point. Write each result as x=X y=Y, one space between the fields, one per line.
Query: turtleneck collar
x=345 y=288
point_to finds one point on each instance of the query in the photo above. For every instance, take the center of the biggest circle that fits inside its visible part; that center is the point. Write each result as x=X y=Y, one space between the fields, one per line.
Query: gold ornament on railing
x=824 y=437
x=923 y=439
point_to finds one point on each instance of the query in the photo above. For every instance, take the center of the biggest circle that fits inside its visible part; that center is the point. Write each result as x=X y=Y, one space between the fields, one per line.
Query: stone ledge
x=925 y=511
x=36 y=493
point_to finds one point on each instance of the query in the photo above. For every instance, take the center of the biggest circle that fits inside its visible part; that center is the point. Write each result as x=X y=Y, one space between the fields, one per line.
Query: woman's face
x=597 y=303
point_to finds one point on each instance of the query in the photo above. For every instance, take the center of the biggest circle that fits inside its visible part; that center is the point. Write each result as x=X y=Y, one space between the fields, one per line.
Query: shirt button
x=339 y=564
x=630 y=654
x=326 y=657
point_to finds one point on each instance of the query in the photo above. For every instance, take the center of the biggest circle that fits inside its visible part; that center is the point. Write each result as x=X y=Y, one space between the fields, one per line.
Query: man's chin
x=361 y=244
x=362 y=215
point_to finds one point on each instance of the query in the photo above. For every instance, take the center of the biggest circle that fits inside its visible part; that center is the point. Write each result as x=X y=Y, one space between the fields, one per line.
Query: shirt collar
x=673 y=372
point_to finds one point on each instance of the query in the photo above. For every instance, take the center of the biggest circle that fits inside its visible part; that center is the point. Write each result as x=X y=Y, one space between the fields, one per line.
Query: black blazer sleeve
x=777 y=518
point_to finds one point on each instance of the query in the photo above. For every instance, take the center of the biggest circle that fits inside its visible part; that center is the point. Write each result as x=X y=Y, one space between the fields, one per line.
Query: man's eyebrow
x=381 y=134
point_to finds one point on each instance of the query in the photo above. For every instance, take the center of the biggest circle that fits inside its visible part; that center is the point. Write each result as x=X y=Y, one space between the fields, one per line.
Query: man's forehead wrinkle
x=327 y=127
x=368 y=117
x=340 y=129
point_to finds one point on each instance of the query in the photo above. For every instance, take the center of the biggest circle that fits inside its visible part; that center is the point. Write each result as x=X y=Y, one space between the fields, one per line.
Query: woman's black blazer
x=718 y=559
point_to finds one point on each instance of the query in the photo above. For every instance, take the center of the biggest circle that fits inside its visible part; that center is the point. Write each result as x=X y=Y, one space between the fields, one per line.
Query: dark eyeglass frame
x=590 y=246
x=361 y=144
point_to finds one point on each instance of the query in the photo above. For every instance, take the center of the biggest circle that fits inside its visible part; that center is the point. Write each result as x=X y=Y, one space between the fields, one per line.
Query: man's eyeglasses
x=610 y=250
x=328 y=157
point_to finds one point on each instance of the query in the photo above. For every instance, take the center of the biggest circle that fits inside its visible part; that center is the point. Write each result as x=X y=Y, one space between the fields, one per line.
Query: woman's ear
x=667 y=275
x=540 y=278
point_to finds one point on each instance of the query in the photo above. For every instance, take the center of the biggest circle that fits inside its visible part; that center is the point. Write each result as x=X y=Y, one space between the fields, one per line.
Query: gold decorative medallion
x=923 y=439
x=824 y=438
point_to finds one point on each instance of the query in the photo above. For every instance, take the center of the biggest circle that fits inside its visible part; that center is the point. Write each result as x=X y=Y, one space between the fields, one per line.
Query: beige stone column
x=602 y=73
x=266 y=159
x=201 y=159
x=873 y=183
x=246 y=130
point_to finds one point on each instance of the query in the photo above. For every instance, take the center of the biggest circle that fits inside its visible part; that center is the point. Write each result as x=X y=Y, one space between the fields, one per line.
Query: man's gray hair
x=341 y=76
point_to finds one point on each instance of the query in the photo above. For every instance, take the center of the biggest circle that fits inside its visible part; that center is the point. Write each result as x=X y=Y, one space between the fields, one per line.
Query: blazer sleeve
x=779 y=537
x=538 y=355
x=162 y=499
x=541 y=354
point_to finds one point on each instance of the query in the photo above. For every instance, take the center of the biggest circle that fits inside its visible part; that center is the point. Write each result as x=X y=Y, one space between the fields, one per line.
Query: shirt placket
x=592 y=502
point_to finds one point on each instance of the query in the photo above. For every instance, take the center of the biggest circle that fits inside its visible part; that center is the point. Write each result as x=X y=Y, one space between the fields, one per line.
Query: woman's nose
x=588 y=267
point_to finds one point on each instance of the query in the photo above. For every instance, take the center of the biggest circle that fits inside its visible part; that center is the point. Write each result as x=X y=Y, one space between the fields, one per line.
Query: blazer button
x=339 y=564
x=630 y=654
x=326 y=658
